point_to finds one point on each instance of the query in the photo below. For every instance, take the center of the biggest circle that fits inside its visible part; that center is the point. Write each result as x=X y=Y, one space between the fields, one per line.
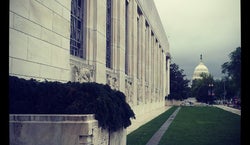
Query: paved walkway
x=155 y=139
x=142 y=119
x=230 y=109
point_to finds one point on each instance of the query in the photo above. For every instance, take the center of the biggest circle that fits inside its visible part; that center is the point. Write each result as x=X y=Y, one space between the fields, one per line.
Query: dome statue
x=199 y=69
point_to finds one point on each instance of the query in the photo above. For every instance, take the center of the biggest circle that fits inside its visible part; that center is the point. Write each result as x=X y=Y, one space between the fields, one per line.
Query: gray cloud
x=194 y=27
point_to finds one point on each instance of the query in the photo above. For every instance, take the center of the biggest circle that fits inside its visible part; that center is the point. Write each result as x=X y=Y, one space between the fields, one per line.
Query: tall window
x=76 y=29
x=126 y=38
x=139 y=13
x=108 y=34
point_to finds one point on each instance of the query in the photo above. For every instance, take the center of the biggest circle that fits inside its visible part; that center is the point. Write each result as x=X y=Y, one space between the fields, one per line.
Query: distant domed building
x=199 y=69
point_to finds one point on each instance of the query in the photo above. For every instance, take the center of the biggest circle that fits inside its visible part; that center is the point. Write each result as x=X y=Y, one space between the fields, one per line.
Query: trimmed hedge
x=33 y=97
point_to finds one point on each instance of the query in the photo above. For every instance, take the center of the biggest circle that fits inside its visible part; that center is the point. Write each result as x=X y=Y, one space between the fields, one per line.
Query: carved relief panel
x=112 y=80
x=81 y=72
x=129 y=90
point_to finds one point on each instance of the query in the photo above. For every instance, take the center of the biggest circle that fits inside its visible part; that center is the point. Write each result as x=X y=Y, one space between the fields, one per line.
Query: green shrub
x=33 y=97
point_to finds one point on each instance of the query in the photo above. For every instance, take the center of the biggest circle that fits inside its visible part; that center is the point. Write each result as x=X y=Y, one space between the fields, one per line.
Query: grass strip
x=142 y=135
x=203 y=126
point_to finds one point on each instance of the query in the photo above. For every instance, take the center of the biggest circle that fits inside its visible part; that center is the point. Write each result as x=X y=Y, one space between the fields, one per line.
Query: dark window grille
x=76 y=29
x=138 y=46
x=108 y=34
x=126 y=38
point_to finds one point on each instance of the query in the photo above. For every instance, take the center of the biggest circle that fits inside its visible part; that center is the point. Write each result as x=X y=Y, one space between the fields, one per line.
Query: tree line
x=208 y=89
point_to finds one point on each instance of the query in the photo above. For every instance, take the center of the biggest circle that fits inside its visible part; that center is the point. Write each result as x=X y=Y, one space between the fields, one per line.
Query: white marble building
x=118 y=42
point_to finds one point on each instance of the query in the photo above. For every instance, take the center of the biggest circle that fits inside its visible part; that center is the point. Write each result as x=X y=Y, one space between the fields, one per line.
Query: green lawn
x=192 y=126
x=203 y=126
x=142 y=135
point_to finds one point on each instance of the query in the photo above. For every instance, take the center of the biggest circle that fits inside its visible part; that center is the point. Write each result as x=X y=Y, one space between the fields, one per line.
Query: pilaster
x=149 y=63
x=142 y=17
x=121 y=48
x=95 y=37
x=133 y=5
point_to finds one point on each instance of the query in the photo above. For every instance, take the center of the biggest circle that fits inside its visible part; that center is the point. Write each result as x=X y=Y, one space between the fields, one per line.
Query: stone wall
x=39 y=47
x=173 y=102
x=39 y=39
x=46 y=129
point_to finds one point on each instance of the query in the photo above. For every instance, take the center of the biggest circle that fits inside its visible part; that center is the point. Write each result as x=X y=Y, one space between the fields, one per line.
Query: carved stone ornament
x=82 y=74
x=139 y=92
x=147 y=95
x=129 y=90
x=112 y=80
x=81 y=71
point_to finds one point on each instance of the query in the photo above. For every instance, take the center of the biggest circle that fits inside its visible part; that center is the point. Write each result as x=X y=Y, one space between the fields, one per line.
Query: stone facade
x=122 y=43
x=39 y=32
x=30 y=129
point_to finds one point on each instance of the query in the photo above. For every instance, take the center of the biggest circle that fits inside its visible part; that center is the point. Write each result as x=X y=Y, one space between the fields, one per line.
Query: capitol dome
x=199 y=69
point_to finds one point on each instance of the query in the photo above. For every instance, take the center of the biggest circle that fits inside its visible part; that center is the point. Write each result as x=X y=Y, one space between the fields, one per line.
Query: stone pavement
x=230 y=109
x=155 y=139
x=142 y=119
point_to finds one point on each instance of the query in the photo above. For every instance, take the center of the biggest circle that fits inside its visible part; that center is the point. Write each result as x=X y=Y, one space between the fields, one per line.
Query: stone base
x=60 y=129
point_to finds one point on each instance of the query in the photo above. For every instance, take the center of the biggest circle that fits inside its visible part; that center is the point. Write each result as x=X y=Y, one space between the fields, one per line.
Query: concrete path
x=155 y=139
x=142 y=119
x=230 y=109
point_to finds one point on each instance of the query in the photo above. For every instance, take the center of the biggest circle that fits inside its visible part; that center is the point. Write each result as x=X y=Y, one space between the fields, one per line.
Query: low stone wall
x=173 y=102
x=143 y=109
x=40 y=129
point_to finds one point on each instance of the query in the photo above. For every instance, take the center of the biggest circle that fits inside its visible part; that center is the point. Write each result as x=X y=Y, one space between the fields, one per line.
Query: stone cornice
x=151 y=14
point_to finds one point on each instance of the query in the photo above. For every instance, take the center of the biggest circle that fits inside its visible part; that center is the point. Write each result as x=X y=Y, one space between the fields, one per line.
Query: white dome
x=199 y=69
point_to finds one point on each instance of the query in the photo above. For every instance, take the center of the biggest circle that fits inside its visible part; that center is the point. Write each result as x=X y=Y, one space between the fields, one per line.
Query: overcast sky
x=207 y=27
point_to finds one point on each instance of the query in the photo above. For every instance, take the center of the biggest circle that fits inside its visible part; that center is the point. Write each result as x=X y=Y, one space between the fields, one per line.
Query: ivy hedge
x=33 y=97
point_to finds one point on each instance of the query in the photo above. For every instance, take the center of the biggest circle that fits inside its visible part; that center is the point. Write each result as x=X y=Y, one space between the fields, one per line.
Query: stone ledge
x=63 y=129
x=51 y=117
